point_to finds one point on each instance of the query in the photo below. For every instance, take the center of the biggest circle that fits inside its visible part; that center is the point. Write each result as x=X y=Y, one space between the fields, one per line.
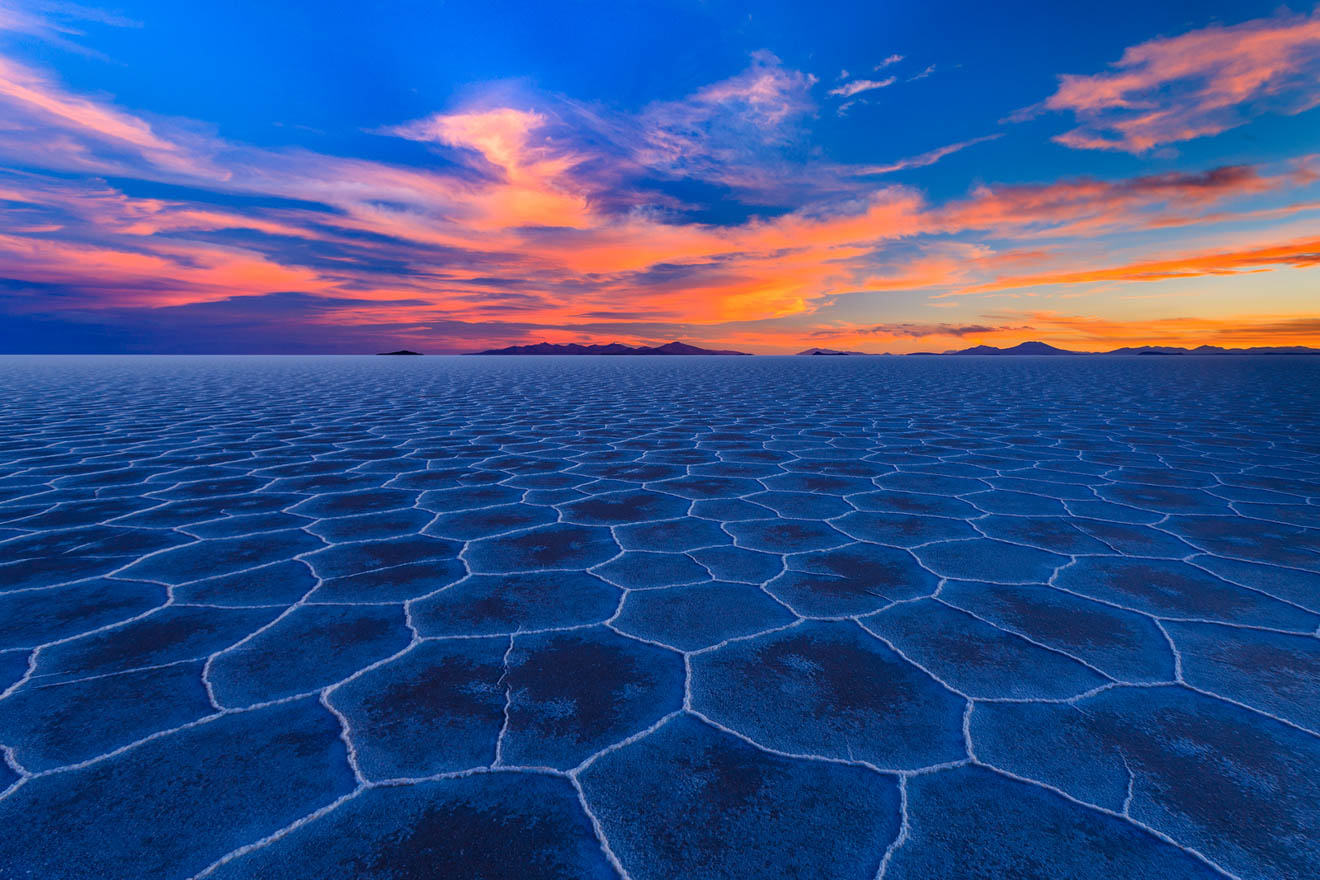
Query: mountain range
x=1031 y=348
x=614 y=348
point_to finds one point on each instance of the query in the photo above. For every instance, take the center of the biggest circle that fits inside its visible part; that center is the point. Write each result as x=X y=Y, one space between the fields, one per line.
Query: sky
x=276 y=177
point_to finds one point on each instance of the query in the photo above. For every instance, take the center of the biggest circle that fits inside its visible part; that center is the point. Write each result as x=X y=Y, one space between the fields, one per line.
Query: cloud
x=16 y=20
x=1087 y=205
x=535 y=176
x=758 y=102
x=54 y=15
x=736 y=133
x=1296 y=254
x=920 y=331
x=858 y=86
x=25 y=88
x=861 y=85
x=58 y=23
x=1197 y=84
x=924 y=159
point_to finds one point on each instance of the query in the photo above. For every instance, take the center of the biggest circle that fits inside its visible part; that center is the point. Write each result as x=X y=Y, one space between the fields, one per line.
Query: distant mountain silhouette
x=1215 y=349
x=614 y=348
x=1032 y=348
x=1036 y=348
x=402 y=351
x=831 y=352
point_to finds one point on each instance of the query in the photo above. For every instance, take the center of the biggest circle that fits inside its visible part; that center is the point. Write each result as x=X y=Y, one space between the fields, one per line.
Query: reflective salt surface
x=659 y=618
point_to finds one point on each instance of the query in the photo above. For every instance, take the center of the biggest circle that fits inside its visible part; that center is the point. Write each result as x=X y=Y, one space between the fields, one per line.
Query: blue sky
x=338 y=177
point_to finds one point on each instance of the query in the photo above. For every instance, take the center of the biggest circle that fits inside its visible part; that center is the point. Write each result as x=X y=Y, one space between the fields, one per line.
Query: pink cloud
x=29 y=91
x=1088 y=206
x=857 y=86
x=1200 y=83
x=923 y=160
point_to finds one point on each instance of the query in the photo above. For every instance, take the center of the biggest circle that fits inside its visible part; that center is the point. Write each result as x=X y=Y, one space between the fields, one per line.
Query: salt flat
x=659 y=618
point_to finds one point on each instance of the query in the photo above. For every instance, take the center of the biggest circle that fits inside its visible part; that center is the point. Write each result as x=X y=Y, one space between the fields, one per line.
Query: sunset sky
x=247 y=176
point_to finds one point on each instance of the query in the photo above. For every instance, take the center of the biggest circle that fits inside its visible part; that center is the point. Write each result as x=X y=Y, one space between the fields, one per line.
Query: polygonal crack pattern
x=655 y=618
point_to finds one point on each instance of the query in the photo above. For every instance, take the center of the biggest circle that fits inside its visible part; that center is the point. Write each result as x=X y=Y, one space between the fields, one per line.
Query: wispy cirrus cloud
x=923 y=160
x=1196 y=84
x=22 y=21
x=41 y=17
x=911 y=330
x=57 y=23
x=758 y=103
x=854 y=86
x=857 y=86
x=47 y=107
x=733 y=132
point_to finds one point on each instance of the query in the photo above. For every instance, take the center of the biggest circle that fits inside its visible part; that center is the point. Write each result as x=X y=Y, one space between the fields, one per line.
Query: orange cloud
x=170 y=274
x=1197 y=84
x=534 y=181
x=1296 y=254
